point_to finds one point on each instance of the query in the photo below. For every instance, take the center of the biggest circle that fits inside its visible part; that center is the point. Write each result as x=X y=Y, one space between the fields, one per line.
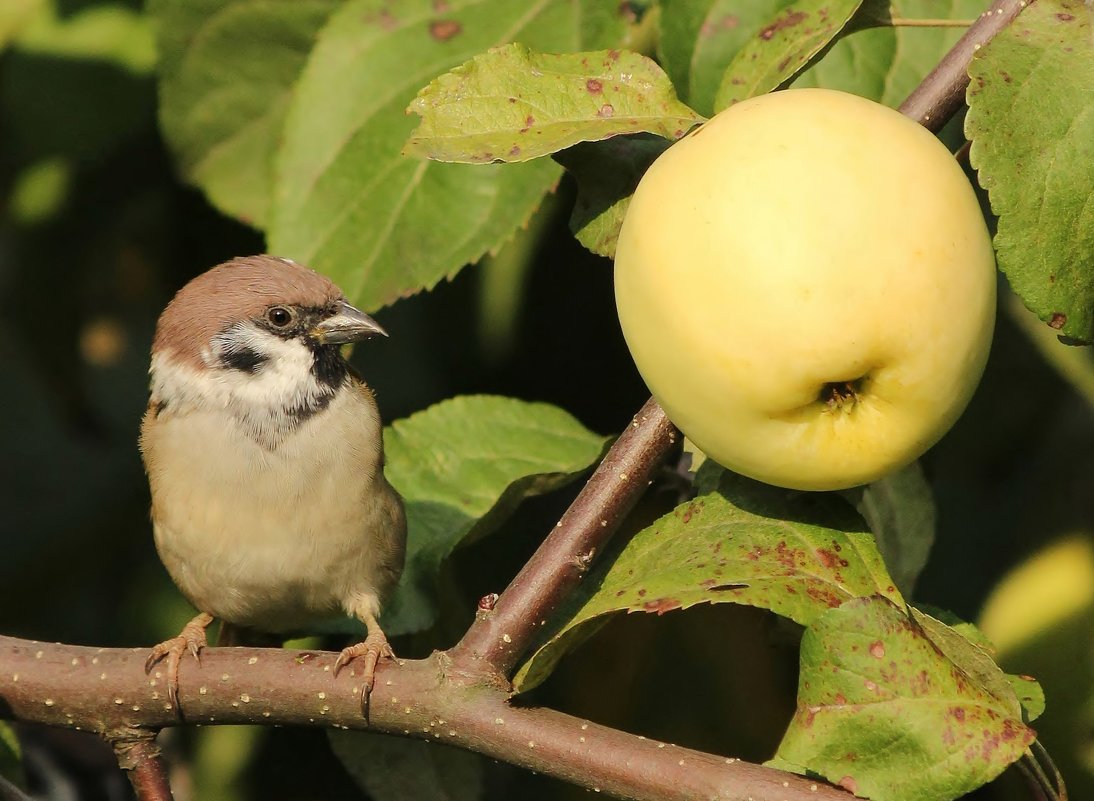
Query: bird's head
x=257 y=334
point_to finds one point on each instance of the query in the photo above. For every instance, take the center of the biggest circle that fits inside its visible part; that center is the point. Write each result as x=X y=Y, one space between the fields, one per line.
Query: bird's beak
x=346 y=325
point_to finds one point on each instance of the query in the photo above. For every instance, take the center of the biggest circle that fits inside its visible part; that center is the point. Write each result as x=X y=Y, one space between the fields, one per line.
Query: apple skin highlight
x=807 y=286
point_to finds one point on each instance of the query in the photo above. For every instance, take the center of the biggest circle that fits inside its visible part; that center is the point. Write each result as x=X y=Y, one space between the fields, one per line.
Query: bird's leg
x=192 y=639
x=371 y=650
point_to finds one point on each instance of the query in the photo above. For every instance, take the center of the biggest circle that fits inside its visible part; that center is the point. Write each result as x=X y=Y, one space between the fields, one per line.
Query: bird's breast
x=270 y=538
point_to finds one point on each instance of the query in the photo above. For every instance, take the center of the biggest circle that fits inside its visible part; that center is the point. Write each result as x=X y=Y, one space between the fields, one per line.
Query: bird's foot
x=370 y=651
x=192 y=639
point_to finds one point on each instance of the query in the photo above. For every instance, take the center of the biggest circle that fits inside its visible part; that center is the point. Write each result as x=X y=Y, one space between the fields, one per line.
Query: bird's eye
x=279 y=316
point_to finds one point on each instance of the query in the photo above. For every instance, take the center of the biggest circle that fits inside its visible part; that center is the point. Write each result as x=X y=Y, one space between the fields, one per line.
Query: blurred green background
x=97 y=232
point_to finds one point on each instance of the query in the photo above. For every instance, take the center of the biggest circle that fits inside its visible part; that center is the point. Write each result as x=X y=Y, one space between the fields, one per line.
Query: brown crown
x=239 y=289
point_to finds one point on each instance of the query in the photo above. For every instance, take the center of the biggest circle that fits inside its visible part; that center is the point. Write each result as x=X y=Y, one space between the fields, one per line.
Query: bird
x=264 y=455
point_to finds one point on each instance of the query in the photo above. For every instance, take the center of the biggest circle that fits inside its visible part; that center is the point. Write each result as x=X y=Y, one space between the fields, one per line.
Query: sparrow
x=265 y=460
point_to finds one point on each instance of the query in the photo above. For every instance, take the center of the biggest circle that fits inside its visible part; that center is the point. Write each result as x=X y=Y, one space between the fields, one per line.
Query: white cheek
x=283 y=381
x=266 y=403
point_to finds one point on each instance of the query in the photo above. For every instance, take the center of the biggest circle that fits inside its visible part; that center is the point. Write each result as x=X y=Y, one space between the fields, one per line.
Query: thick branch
x=942 y=92
x=500 y=636
x=107 y=691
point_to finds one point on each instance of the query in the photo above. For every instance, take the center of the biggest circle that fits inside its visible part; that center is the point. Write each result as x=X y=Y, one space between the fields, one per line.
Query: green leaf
x=886 y=64
x=395 y=769
x=1031 y=122
x=900 y=511
x=963 y=650
x=883 y=712
x=797 y=554
x=969 y=631
x=782 y=48
x=11 y=765
x=14 y=15
x=227 y=72
x=977 y=656
x=607 y=173
x=462 y=466
x=348 y=202
x=105 y=32
x=699 y=39
x=1030 y=695
x=512 y=104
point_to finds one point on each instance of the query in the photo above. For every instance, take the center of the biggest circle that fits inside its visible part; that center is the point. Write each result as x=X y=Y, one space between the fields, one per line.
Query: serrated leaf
x=512 y=104
x=887 y=715
x=699 y=39
x=797 y=554
x=886 y=64
x=348 y=202
x=607 y=173
x=462 y=466
x=1031 y=122
x=900 y=511
x=396 y=769
x=227 y=72
x=782 y=48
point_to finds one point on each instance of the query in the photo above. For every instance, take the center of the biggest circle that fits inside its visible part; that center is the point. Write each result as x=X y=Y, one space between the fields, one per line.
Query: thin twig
x=106 y=691
x=942 y=92
x=1033 y=782
x=1048 y=774
x=499 y=636
x=139 y=756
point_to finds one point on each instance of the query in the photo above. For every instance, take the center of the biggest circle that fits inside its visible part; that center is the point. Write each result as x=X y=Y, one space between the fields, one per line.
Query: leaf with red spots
x=897 y=707
x=1031 y=122
x=783 y=47
x=512 y=104
x=967 y=646
x=797 y=554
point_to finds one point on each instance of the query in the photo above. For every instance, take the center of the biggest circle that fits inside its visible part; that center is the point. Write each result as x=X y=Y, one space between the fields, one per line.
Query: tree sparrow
x=264 y=453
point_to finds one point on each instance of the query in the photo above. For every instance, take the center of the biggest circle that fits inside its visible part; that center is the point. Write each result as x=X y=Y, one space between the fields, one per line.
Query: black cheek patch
x=243 y=359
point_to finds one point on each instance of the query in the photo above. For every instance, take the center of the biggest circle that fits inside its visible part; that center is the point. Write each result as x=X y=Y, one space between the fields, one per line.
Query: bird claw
x=371 y=650
x=191 y=638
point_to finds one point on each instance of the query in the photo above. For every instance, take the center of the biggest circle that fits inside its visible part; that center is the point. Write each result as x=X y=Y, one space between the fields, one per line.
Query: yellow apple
x=807 y=285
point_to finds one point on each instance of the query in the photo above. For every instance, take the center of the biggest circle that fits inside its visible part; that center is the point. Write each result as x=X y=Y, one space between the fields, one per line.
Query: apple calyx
x=841 y=394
